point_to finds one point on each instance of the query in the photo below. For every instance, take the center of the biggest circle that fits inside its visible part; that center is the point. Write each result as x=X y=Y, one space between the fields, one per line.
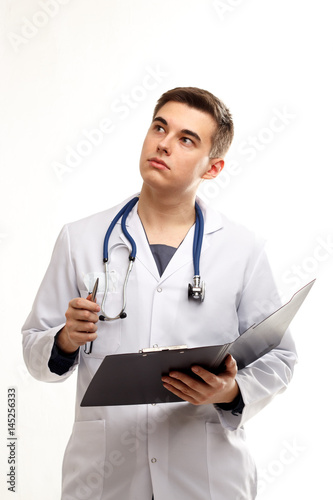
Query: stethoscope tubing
x=197 y=240
x=123 y=214
x=125 y=210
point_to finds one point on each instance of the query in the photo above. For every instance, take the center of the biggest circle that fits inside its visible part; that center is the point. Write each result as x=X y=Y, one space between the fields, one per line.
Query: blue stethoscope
x=195 y=290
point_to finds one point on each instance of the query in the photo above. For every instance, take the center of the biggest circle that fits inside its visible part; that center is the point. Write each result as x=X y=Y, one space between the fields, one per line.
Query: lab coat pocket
x=231 y=469
x=83 y=462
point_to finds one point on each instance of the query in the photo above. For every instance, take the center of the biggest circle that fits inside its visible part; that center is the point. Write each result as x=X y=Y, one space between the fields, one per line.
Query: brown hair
x=204 y=101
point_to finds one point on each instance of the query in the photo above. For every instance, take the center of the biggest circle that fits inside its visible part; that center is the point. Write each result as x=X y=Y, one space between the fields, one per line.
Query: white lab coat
x=176 y=450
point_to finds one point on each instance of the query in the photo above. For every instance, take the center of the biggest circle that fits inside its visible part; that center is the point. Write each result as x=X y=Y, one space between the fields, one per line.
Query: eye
x=159 y=128
x=187 y=141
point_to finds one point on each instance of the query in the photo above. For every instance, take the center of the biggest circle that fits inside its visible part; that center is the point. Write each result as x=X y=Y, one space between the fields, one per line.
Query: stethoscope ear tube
x=122 y=314
x=124 y=212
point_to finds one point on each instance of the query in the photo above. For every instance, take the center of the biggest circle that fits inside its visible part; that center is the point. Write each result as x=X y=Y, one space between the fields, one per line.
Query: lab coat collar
x=212 y=218
x=213 y=221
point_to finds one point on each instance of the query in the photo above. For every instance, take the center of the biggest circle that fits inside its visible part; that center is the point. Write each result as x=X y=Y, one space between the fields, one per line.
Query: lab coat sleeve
x=268 y=376
x=47 y=316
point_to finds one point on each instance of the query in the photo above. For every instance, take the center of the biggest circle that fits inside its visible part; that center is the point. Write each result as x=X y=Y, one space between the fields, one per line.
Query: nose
x=164 y=146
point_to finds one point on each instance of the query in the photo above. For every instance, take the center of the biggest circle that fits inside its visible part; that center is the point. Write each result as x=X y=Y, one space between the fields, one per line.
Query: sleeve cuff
x=236 y=406
x=60 y=362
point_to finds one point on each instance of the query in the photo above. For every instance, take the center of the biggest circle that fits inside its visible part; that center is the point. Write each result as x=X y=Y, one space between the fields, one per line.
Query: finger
x=83 y=326
x=207 y=376
x=179 y=379
x=181 y=393
x=81 y=338
x=82 y=320
x=195 y=397
x=77 y=338
x=81 y=303
x=184 y=383
x=84 y=315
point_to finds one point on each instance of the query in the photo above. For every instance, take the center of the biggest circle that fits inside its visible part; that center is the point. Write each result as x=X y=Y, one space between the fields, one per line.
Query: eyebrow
x=183 y=131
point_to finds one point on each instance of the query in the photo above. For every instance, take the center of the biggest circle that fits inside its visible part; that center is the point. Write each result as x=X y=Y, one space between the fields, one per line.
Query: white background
x=73 y=64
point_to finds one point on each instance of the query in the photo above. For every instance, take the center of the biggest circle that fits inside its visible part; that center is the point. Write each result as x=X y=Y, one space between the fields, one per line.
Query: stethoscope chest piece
x=196 y=290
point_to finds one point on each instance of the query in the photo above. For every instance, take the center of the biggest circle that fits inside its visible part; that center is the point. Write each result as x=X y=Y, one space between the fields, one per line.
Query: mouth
x=158 y=163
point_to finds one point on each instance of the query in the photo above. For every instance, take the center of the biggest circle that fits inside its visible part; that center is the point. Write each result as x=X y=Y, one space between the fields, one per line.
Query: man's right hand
x=81 y=324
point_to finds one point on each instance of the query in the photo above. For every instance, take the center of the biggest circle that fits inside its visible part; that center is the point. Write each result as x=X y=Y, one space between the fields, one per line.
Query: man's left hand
x=221 y=388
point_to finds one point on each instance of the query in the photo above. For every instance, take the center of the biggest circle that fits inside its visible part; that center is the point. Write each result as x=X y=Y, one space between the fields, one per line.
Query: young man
x=192 y=450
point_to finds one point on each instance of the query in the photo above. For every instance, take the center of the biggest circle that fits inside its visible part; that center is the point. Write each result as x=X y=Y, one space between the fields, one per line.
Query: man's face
x=175 y=152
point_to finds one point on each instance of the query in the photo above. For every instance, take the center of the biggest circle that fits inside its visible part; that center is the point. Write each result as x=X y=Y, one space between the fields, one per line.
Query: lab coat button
x=159 y=290
x=153 y=460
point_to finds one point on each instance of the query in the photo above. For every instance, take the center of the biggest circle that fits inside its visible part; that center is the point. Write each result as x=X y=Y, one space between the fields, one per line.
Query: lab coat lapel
x=184 y=254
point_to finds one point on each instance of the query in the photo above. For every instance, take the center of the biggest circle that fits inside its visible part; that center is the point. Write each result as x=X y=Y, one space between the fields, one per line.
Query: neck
x=166 y=219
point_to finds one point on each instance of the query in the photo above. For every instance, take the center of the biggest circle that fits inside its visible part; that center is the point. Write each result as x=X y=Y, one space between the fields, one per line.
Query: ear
x=216 y=166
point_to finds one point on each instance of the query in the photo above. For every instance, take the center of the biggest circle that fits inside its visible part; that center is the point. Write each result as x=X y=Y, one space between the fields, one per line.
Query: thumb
x=231 y=364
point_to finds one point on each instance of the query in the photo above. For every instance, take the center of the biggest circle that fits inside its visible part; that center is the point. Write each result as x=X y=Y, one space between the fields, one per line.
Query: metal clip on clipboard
x=148 y=350
x=215 y=363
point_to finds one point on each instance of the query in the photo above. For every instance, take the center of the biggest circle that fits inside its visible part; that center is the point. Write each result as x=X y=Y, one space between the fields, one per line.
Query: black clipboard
x=135 y=378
